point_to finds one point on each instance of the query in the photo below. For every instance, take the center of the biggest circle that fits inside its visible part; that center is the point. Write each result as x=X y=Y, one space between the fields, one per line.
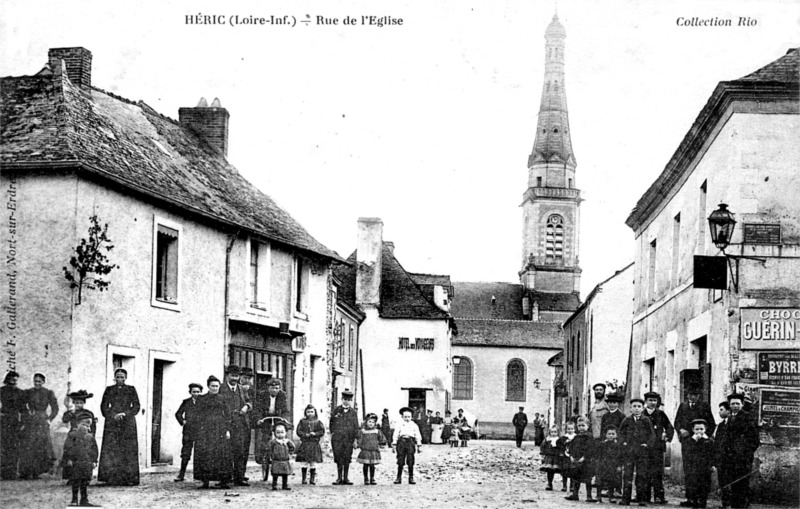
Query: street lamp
x=721 y=224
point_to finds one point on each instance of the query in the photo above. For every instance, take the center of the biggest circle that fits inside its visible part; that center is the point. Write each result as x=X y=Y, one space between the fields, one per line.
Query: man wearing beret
x=599 y=409
x=188 y=416
x=664 y=432
x=737 y=450
x=344 y=432
x=690 y=410
x=238 y=403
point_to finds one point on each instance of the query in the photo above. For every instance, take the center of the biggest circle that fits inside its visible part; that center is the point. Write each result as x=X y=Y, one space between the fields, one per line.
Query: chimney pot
x=369 y=260
x=211 y=124
x=77 y=64
x=216 y=103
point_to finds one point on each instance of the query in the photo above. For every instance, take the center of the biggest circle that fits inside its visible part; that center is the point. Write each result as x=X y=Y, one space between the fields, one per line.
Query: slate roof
x=474 y=300
x=47 y=122
x=776 y=82
x=509 y=333
x=401 y=296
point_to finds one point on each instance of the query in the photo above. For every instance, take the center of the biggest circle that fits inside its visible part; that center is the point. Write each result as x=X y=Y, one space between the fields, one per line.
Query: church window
x=554 y=237
x=515 y=380
x=462 y=379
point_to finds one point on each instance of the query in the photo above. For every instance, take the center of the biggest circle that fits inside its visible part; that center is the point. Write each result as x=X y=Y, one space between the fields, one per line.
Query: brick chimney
x=209 y=122
x=368 y=261
x=78 y=64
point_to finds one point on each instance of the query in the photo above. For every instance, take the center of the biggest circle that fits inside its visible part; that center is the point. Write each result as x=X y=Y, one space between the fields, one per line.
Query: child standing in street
x=406 y=442
x=608 y=464
x=310 y=430
x=370 y=440
x=698 y=454
x=579 y=451
x=280 y=449
x=552 y=452
x=80 y=454
x=563 y=442
x=78 y=402
x=637 y=437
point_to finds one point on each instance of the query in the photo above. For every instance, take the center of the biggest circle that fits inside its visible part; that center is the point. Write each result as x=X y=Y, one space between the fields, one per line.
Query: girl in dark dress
x=552 y=451
x=42 y=405
x=212 y=453
x=12 y=405
x=70 y=417
x=310 y=430
x=119 y=457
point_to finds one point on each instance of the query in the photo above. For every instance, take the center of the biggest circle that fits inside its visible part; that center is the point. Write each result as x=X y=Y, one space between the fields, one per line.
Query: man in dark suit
x=637 y=438
x=689 y=411
x=520 y=421
x=720 y=439
x=664 y=432
x=740 y=443
x=188 y=417
x=245 y=383
x=238 y=404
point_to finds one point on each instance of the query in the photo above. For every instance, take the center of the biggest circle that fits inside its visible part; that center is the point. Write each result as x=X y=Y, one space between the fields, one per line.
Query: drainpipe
x=227 y=332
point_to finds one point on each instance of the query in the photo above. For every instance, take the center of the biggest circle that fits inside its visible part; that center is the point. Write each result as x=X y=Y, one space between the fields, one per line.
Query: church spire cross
x=553 y=143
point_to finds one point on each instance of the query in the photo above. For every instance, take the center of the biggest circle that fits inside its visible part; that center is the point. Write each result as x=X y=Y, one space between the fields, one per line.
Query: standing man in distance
x=599 y=409
x=520 y=422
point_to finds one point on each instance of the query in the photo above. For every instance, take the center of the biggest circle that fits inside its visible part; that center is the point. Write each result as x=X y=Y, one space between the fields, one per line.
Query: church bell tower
x=550 y=206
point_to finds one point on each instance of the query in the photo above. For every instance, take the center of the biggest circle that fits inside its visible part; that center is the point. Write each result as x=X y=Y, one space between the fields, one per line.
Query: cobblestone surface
x=487 y=474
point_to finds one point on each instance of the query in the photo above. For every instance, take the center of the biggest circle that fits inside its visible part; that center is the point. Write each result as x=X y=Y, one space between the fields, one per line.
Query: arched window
x=462 y=379
x=554 y=237
x=515 y=380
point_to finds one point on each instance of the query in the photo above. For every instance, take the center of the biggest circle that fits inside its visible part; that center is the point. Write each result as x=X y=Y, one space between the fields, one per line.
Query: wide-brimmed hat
x=346 y=394
x=406 y=409
x=81 y=394
x=370 y=417
x=232 y=369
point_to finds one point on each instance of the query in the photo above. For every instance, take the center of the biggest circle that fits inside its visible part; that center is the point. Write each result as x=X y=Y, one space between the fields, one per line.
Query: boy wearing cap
x=720 y=438
x=80 y=454
x=663 y=431
x=344 y=432
x=637 y=437
x=698 y=461
x=188 y=416
x=407 y=441
x=689 y=411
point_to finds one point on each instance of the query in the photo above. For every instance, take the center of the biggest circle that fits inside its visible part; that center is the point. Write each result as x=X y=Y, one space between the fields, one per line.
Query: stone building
x=597 y=338
x=209 y=270
x=345 y=349
x=519 y=325
x=742 y=150
x=405 y=335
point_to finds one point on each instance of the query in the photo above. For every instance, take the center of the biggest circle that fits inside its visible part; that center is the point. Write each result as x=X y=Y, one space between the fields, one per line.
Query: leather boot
x=313 y=480
x=399 y=474
x=372 y=475
x=304 y=470
x=339 y=475
x=182 y=473
x=346 y=475
x=411 y=475
x=365 y=468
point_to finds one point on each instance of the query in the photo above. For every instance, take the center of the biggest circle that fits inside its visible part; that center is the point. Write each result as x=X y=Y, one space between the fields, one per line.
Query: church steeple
x=551 y=204
x=553 y=143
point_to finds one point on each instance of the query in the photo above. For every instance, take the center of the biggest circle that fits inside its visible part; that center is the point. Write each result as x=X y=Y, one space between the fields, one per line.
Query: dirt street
x=487 y=474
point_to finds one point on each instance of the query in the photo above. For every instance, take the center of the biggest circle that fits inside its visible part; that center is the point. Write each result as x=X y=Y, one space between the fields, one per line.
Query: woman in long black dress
x=212 y=453
x=42 y=408
x=119 y=458
x=12 y=405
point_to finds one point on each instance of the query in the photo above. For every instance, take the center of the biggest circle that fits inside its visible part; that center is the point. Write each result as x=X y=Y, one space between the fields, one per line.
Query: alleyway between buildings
x=487 y=474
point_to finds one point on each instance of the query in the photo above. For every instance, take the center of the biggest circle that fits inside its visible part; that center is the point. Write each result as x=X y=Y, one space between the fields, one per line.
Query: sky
x=426 y=124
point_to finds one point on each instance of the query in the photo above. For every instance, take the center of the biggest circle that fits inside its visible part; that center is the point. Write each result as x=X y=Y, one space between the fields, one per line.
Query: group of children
x=620 y=452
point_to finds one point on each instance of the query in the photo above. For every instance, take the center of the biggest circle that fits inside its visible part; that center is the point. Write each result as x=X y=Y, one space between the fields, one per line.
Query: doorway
x=158 y=404
x=416 y=400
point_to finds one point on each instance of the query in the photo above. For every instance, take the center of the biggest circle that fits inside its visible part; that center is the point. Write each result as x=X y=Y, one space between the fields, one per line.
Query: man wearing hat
x=188 y=416
x=664 y=432
x=614 y=415
x=737 y=450
x=520 y=422
x=689 y=411
x=344 y=432
x=245 y=383
x=238 y=403
x=599 y=409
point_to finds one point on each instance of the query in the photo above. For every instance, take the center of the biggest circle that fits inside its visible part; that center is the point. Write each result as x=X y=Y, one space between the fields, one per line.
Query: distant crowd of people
x=606 y=450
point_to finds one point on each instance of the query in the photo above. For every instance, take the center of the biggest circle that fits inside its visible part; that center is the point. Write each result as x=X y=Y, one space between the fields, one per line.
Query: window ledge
x=163 y=304
x=301 y=316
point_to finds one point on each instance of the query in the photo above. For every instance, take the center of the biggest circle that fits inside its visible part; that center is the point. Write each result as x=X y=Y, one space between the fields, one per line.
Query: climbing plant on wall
x=89 y=265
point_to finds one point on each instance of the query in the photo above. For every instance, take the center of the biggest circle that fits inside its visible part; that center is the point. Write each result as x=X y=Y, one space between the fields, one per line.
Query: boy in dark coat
x=612 y=418
x=720 y=439
x=608 y=464
x=78 y=401
x=741 y=442
x=580 y=450
x=689 y=411
x=188 y=416
x=80 y=454
x=698 y=461
x=637 y=437
x=344 y=431
x=663 y=431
